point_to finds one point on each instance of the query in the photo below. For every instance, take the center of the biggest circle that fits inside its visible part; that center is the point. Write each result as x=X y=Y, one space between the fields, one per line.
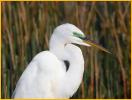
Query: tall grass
x=27 y=27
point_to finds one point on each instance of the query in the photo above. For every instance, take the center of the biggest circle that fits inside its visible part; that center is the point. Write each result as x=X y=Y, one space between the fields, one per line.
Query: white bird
x=56 y=73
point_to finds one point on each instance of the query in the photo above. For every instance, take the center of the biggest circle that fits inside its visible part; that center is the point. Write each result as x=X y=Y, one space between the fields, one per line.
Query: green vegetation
x=27 y=27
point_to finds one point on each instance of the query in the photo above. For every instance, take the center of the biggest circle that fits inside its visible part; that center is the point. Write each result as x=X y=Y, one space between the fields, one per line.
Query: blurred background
x=27 y=27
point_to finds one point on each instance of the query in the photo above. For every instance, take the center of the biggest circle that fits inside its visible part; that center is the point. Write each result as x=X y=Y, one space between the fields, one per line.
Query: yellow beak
x=91 y=43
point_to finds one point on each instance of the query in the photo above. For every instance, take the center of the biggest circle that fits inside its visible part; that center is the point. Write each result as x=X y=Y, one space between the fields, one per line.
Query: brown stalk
x=83 y=90
x=92 y=72
x=96 y=74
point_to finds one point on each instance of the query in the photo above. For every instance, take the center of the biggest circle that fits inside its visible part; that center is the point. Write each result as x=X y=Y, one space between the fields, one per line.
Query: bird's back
x=41 y=77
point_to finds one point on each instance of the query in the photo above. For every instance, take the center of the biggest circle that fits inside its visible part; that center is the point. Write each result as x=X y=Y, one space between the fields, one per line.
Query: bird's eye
x=81 y=36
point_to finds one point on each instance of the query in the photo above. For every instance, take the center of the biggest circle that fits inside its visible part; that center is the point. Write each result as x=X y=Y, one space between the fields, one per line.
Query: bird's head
x=71 y=34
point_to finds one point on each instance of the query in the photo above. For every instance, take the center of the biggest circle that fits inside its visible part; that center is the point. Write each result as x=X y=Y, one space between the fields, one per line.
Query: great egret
x=56 y=73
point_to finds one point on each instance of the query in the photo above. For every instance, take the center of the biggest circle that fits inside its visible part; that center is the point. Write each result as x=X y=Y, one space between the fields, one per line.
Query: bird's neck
x=73 y=54
x=74 y=74
x=56 y=46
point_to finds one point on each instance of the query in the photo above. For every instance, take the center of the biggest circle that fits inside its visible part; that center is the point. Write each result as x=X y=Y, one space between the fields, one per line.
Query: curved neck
x=73 y=54
x=74 y=74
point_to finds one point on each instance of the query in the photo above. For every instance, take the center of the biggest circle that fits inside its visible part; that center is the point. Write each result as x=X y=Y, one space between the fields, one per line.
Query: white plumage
x=46 y=75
